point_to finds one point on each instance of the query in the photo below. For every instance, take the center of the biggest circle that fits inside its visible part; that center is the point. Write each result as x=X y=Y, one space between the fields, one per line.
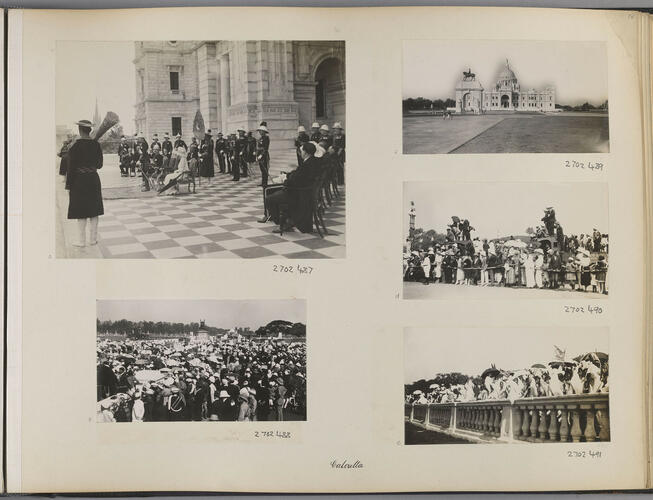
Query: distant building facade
x=239 y=84
x=506 y=95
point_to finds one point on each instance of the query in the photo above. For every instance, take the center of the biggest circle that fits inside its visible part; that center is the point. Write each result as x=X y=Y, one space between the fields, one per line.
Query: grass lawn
x=513 y=133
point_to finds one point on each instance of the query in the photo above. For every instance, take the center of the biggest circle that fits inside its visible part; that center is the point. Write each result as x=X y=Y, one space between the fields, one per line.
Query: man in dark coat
x=263 y=154
x=288 y=196
x=301 y=138
x=315 y=132
x=206 y=154
x=83 y=183
x=107 y=382
x=180 y=142
x=241 y=153
x=339 y=148
x=555 y=267
x=220 y=151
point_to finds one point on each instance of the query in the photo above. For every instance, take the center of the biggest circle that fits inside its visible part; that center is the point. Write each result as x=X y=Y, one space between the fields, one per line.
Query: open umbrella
x=556 y=364
x=538 y=365
x=490 y=372
x=515 y=244
x=148 y=376
x=417 y=391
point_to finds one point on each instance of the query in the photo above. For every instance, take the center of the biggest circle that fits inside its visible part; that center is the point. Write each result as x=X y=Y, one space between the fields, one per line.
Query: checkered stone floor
x=219 y=221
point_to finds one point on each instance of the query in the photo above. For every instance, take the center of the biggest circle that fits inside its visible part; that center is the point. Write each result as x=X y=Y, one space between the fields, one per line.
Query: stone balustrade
x=572 y=418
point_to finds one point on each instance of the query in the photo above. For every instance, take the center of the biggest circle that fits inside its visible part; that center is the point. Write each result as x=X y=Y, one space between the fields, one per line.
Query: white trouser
x=81 y=231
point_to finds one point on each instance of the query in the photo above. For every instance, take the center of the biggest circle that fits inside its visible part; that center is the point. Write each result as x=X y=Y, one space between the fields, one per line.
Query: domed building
x=505 y=95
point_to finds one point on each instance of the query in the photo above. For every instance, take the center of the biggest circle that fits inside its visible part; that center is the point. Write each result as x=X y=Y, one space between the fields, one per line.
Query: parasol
x=417 y=391
x=148 y=376
x=588 y=356
x=515 y=244
x=490 y=372
x=538 y=365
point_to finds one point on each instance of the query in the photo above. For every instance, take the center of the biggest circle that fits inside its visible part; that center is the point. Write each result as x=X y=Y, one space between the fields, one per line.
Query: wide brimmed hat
x=337 y=125
x=84 y=123
x=301 y=129
x=263 y=128
x=315 y=125
x=324 y=127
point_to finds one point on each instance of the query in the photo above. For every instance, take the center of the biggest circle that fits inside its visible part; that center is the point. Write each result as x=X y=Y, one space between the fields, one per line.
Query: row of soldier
x=235 y=153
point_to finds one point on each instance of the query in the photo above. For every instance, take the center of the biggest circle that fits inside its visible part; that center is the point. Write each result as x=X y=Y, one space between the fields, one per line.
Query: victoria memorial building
x=505 y=95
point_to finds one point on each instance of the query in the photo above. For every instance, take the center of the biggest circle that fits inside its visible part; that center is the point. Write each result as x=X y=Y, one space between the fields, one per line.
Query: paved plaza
x=414 y=290
x=506 y=133
x=219 y=221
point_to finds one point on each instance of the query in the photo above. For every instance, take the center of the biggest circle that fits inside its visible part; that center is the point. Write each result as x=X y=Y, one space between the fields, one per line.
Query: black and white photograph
x=200 y=149
x=479 y=96
x=505 y=240
x=506 y=385
x=201 y=360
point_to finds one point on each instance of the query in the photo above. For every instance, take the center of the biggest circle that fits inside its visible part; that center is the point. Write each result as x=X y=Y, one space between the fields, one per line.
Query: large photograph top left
x=200 y=149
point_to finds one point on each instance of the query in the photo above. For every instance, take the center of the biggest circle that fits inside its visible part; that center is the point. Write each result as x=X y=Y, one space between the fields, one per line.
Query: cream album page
x=326 y=250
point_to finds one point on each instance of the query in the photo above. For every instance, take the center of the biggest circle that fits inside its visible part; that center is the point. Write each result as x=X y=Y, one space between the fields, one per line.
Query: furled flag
x=198 y=126
x=559 y=353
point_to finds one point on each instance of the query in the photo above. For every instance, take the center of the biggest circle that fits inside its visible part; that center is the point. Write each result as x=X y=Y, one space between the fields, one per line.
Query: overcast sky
x=504 y=209
x=108 y=75
x=218 y=313
x=429 y=351
x=578 y=70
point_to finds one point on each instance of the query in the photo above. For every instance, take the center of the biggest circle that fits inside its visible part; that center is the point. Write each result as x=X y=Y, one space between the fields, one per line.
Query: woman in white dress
x=438 y=266
x=529 y=269
x=178 y=159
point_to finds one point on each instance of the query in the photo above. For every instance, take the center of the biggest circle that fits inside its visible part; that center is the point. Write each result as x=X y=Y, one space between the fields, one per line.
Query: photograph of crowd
x=156 y=362
x=201 y=149
x=530 y=239
x=554 y=383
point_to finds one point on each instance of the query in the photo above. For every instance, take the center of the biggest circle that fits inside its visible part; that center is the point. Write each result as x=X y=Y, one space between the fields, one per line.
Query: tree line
x=414 y=104
x=144 y=329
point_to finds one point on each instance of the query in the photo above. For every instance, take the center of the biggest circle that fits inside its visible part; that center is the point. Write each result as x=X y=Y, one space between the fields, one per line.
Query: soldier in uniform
x=155 y=141
x=156 y=158
x=324 y=136
x=339 y=148
x=263 y=153
x=179 y=142
x=220 y=151
x=166 y=146
x=125 y=156
x=251 y=147
x=193 y=156
x=315 y=132
x=240 y=166
x=231 y=153
x=302 y=137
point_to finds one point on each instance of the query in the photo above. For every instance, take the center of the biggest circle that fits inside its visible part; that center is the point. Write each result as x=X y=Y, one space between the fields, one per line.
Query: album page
x=328 y=250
